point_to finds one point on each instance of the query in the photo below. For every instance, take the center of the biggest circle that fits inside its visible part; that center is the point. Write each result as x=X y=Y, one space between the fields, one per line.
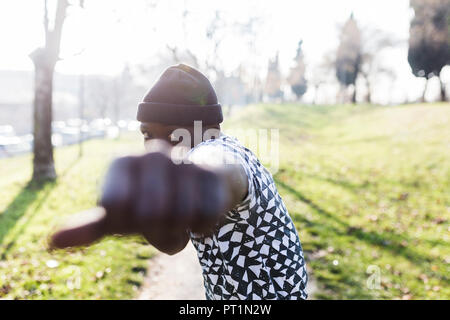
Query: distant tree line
x=358 y=56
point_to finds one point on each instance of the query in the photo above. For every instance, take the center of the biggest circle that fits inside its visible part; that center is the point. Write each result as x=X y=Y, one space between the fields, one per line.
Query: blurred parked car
x=97 y=127
x=11 y=145
x=67 y=132
x=7 y=131
x=133 y=125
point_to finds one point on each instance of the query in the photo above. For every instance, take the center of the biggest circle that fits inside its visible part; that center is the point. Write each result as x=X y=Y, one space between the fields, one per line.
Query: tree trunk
x=354 y=94
x=117 y=103
x=443 y=93
x=338 y=95
x=369 y=96
x=43 y=164
x=424 y=90
x=316 y=94
x=230 y=106
x=369 y=88
x=44 y=60
x=81 y=114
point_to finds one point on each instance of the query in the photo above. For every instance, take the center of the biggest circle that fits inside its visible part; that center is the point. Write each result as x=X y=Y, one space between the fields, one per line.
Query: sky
x=107 y=34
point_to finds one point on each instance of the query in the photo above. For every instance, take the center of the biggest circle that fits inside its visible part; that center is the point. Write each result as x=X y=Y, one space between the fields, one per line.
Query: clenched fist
x=151 y=195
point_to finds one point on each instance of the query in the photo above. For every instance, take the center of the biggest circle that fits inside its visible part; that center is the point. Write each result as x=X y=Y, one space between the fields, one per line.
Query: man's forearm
x=152 y=196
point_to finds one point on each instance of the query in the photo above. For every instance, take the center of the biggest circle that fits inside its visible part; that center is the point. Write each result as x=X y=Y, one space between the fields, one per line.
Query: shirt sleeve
x=217 y=151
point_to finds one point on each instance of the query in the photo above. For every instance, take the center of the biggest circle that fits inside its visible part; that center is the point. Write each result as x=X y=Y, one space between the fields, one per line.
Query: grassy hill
x=367 y=187
x=369 y=191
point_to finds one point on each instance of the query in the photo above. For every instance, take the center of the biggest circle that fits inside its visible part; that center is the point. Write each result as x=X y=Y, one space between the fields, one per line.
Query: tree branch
x=54 y=41
x=46 y=21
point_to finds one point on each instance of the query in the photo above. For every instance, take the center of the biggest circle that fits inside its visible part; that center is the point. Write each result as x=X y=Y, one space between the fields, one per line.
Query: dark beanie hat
x=181 y=96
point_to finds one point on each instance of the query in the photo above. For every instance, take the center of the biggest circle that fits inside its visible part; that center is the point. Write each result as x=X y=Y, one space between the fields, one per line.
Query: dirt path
x=312 y=288
x=179 y=277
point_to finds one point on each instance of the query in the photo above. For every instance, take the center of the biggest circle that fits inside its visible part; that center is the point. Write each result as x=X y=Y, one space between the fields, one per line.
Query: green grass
x=366 y=186
x=110 y=269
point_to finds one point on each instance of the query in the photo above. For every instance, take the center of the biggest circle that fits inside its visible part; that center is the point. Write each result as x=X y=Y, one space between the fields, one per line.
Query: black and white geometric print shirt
x=255 y=252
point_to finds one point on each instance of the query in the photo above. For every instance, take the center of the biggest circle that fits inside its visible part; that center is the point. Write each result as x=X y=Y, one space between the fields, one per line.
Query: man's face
x=153 y=130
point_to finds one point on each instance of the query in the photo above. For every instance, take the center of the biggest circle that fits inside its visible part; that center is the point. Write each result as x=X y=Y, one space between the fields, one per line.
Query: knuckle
x=153 y=187
x=118 y=191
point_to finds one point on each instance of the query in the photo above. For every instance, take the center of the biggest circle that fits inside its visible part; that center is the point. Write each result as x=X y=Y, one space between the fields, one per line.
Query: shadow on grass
x=364 y=140
x=18 y=207
x=33 y=194
x=386 y=241
x=366 y=185
x=352 y=187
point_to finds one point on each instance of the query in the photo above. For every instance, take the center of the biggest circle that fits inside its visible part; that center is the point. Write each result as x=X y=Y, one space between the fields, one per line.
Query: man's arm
x=152 y=196
x=233 y=176
x=227 y=168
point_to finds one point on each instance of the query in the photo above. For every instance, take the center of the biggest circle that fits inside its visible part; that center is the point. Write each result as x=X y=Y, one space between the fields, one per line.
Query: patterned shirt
x=255 y=252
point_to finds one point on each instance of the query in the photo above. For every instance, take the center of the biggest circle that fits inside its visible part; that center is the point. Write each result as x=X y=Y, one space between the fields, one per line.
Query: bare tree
x=272 y=86
x=100 y=94
x=45 y=59
x=322 y=74
x=373 y=43
x=215 y=32
x=185 y=56
x=348 y=57
x=174 y=53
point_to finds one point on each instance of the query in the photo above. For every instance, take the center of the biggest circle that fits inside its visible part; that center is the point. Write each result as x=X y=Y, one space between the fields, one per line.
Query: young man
x=220 y=197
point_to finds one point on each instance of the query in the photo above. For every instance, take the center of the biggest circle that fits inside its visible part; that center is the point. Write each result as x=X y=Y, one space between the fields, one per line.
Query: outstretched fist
x=147 y=195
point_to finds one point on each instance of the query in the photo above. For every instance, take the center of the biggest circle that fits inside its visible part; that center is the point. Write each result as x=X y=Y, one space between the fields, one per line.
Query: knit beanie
x=181 y=96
